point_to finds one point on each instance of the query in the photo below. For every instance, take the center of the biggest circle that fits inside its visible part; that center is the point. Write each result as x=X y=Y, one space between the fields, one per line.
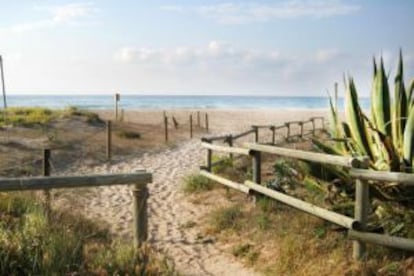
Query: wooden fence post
x=230 y=142
x=323 y=123
x=116 y=105
x=288 y=131
x=256 y=133
x=209 y=157
x=191 y=126
x=256 y=167
x=361 y=215
x=313 y=126
x=108 y=140
x=46 y=172
x=206 y=122
x=272 y=128
x=140 y=194
x=166 y=128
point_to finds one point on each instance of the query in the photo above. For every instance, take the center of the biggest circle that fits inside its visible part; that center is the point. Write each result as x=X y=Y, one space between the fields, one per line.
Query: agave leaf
x=356 y=121
x=385 y=153
x=399 y=107
x=380 y=101
x=408 y=149
x=326 y=148
x=335 y=124
x=373 y=89
x=410 y=96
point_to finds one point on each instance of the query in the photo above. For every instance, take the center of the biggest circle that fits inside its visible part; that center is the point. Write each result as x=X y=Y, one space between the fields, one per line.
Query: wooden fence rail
x=140 y=192
x=358 y=170
x=230 y=138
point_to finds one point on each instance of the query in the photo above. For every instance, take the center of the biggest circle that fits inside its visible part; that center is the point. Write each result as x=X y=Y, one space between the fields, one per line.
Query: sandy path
x=169 y=211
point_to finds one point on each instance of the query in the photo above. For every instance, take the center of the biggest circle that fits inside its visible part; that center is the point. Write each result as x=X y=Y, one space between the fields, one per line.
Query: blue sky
x=286 y=47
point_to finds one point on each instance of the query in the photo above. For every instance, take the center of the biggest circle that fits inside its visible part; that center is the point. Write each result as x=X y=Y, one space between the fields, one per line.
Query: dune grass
x=67 y=245
x=39 y=116
x=197 y=183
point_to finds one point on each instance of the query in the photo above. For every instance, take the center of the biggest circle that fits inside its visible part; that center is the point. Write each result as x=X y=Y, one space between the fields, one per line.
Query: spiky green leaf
x=355 y=120
x=380 y=101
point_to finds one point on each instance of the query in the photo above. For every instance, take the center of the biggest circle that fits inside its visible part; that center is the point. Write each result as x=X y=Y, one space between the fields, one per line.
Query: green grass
x=38 y=116
x=197 y=183
x=26 y=116
x=128 y=134
x=30 y=245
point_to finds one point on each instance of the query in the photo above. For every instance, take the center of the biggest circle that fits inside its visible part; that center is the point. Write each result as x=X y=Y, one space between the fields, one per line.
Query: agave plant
x=387 y=137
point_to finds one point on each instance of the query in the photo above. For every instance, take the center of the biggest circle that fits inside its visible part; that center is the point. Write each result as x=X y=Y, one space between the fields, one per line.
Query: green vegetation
x=38 y=116
x=197 y=183
x=26 y=116
x=127 y=134
x=387 y=138
x=30 y=245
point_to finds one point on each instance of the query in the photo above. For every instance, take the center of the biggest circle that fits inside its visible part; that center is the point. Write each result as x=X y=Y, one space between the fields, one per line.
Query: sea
x=174 y=102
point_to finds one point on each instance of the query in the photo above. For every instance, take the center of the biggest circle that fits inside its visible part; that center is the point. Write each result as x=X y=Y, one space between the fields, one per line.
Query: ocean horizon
x=130 y=102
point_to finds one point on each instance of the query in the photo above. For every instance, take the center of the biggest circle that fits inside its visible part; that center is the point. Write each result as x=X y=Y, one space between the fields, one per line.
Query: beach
x=169 y=210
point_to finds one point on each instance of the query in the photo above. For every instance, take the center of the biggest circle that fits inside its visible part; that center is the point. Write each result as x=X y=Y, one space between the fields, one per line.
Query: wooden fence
x=358 y=170
x=139 y=179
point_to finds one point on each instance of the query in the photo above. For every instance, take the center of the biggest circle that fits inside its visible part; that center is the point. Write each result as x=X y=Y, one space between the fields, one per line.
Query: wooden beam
x=333 y=217
x=226 y=182
x=56 y=182
x=385 y=240
x=243 y=134
x=400 y=178
x=306 y=155
x=225 y=148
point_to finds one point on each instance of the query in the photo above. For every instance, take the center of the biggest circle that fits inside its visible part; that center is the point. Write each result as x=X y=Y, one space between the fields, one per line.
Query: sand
x=169 y=209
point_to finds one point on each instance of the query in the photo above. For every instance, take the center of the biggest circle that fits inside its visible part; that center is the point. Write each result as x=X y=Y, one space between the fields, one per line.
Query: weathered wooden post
x=206 y=122
x=140 y=194
x=256 y=133
x=108 y=140
x=273 y=129
x=117 y=97
x=209 y=156
x=288 y=131
x=2 y=83
x=256 y=167
x=323 y=123
x=166 y=128
x=229 y=140
x=191 y=126
x=361 y=213
x=46 y=172
x=313 y=126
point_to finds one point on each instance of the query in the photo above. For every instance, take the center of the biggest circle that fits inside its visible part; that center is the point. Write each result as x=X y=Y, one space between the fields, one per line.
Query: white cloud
x=238 y=13
x=215 y=53
x=56 y=15
x=72 y=11
x=218 y=63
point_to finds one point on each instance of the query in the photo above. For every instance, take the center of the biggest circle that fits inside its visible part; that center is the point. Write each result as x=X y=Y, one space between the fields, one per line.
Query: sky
x=285 y=47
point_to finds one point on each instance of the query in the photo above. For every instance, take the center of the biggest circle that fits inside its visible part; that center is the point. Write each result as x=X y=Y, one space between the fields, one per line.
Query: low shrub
x=197 y=183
